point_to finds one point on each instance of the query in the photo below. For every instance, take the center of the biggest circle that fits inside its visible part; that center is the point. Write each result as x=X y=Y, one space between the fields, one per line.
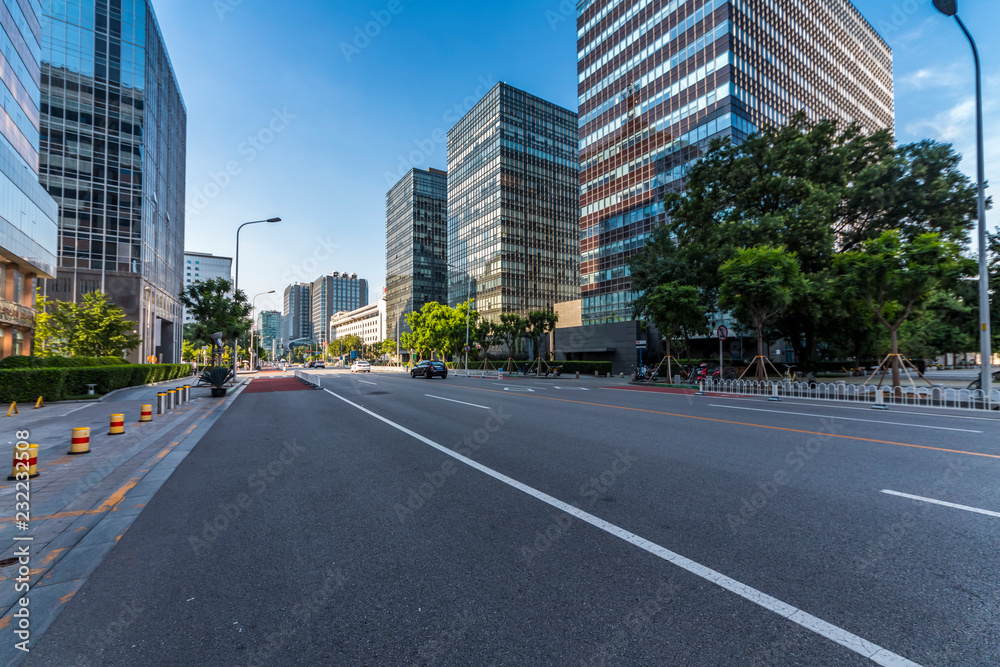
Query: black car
x=428 y=369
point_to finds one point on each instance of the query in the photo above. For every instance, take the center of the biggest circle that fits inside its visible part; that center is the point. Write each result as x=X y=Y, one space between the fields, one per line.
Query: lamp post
x=253 y=310
x=236 y=282
x=950 y=8
x=468 y=311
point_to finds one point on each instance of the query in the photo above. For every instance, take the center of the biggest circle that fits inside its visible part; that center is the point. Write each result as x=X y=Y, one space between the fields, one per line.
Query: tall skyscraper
x=416 y=245
x=334 y=293
x=658 y=79
x=296 y=316
x=513 y=197
x=202 y=266
x=113 y=157
x=28 y=228
x=267 y=325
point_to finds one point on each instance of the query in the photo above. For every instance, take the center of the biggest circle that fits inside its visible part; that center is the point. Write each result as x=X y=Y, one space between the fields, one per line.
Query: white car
x=361 y=366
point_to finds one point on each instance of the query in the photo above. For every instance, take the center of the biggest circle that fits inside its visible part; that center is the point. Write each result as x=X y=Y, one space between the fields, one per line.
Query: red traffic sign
x=723 y=333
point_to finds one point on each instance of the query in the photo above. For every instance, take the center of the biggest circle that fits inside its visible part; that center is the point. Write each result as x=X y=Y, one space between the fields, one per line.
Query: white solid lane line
x=827 y=406
x=941 y=502
x=367 y=382
x=873 y=652
x=451 y=400
x=849 y=419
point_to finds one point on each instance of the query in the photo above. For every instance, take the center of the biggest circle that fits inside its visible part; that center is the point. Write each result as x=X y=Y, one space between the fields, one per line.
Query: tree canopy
x=95 y=327
x=817 y=190
x=214 y=308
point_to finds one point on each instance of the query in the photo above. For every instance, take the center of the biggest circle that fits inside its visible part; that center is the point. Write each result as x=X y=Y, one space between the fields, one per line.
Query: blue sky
x=285 y=120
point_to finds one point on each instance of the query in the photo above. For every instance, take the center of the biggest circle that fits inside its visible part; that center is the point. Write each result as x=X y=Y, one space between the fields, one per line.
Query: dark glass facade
x=296 y=316
x=513 y=204
x=658 y=79
x=28 y=228
x=335 y=293
x=268 y=323
x=113 y=144
x=416 y=245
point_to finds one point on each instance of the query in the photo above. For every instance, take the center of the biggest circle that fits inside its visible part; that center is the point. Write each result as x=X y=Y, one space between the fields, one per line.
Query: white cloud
x=935 y=77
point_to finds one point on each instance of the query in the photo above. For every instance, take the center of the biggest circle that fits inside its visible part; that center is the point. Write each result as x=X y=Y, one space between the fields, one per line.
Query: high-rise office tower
x=28 y=230
x=113 y=157
x=334 y=293
x=513 y=196
x=296 y=317
x=416 y=245
x=267 y=325
x=658 y=79
x=202 y=266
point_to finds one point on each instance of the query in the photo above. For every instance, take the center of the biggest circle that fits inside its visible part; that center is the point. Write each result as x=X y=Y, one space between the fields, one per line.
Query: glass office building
x=416 y=245
x=513 y=198
x=113 y=157
x=28 y=228
x=658 y=79
x=267 y=325
x=296 y=316
x=335 y=293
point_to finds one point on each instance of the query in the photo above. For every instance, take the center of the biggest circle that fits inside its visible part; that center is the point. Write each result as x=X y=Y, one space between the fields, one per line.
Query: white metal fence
x=941 y=397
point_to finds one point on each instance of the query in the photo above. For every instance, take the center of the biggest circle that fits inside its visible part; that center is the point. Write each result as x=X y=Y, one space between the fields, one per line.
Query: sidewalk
x=80 y=506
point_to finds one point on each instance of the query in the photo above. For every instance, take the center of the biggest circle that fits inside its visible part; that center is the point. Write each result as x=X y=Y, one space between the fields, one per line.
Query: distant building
x=267 y=325
x=416 y=245
x=367 y=322
x=513 y=204
x=334 y=293
x=296 y=317
x=113 y=156
x=199 y=266
x=28 y=227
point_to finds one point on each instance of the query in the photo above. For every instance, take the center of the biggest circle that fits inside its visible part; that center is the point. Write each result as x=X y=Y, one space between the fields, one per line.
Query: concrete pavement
x=81 y=505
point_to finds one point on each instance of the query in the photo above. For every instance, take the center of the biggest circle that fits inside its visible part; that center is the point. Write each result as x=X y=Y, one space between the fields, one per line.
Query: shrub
x=60 y=362
x=27 y=384
x=30 y=383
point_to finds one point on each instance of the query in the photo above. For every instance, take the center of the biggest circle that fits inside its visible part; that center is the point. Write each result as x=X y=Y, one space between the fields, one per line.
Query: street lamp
x=253 y=309
x=468 y=311
x=950 y=8
x=236 y=283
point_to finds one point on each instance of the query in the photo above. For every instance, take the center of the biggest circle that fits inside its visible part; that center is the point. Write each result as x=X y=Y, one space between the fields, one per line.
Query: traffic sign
x=723 y=333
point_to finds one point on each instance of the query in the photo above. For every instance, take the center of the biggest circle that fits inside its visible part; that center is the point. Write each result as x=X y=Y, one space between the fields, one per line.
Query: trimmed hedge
x=60 y=362
x=57 y=383
x=585 y=367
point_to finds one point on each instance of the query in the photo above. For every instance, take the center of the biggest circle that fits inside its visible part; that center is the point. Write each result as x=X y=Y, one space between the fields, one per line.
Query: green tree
x=485 y=336
x=537 y=326
x=895 y=276
x=189 y=351
x=816 y=189
x=510 y=330
x=94 y=327
x=674 y=309
x=758 y=285
x=214 y=308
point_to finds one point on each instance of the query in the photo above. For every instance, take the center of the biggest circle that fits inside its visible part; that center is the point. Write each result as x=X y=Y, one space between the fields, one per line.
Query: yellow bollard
x=146 y=414
x=39 y=403
x=12 y=410
x=33 y=461
x=25 y=460
x=80 y=442
x=117 y=425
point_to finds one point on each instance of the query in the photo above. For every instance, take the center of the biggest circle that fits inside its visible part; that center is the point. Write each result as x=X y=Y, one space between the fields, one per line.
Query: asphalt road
x=577 y=525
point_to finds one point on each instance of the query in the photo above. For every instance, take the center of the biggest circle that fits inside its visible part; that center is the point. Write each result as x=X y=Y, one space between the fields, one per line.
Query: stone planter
x=218 y=392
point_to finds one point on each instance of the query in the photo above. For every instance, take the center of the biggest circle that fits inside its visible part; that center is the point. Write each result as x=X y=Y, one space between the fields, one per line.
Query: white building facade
x=367 y=323
x=200 y=266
